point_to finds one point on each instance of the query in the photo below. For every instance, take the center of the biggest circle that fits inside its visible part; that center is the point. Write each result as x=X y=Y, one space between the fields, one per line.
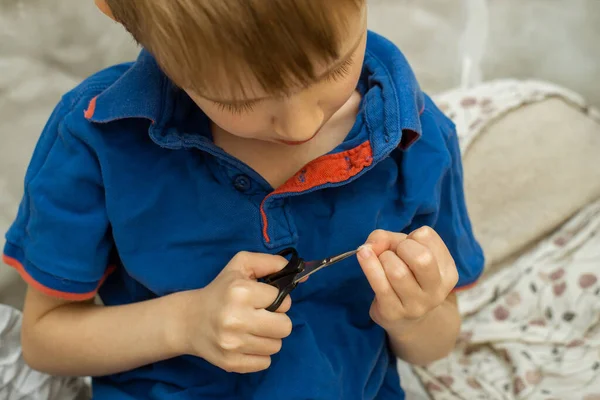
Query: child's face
x=298 y=118
x=294 y=119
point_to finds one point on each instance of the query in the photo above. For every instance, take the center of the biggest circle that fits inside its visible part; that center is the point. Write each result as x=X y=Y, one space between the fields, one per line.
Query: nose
x=299 y=118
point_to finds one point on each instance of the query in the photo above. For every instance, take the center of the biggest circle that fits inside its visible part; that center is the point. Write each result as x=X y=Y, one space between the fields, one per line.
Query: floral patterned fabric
x=473 y=109
x=532 y=330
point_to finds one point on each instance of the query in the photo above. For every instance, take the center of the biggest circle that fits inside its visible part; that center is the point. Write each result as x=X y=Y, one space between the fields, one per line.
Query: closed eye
x=237 y=108
x=340 y=72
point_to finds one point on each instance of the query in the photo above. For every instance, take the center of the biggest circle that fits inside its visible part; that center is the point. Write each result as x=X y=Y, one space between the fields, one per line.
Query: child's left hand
x=410 y=275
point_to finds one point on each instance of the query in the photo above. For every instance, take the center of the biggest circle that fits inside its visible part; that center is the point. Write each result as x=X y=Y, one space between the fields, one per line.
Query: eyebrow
x=335 y=66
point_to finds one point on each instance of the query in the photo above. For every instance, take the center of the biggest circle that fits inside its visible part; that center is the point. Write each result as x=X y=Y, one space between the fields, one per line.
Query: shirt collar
x=138 y=93
x=393 y=102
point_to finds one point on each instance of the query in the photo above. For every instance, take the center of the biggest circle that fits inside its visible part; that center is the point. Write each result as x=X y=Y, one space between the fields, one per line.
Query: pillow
x=528 y=171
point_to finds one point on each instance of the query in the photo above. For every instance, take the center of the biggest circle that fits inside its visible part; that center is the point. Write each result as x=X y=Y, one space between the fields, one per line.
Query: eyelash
x=240 y=108
x=338 y=74
x=341 y=72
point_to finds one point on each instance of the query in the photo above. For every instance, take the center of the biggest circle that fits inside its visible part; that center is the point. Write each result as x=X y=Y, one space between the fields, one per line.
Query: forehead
x=233 y=79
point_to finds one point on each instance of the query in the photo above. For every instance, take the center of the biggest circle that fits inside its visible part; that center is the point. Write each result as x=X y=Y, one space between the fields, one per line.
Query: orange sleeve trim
x=89 y=113
x=51 y=292
x=465 y=287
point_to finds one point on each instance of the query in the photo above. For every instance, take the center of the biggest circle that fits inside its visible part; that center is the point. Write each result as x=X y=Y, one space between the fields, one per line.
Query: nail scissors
x=295 y=271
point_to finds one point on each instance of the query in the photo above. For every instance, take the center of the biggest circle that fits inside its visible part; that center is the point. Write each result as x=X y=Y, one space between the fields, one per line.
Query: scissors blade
x=311 y=267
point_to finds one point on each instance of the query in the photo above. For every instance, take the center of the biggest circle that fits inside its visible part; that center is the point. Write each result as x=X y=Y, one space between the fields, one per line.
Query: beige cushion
x=528 y=172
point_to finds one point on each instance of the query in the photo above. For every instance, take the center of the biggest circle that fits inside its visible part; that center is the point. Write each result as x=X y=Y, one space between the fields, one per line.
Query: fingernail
x=365 y=252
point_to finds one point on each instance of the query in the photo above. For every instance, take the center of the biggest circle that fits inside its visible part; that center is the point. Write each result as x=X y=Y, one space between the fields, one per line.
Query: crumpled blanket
x=18 y=381
x=531 y=331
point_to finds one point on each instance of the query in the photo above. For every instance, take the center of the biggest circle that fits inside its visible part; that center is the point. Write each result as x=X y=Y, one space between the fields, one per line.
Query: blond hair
x=276 y=42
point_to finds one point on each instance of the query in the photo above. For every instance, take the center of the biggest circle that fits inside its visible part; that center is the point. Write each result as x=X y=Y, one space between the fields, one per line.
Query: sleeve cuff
x=466 y=284
x=48 y=284
x=464 y=287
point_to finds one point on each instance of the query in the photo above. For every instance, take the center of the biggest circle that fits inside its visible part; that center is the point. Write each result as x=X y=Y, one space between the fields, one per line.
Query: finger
x=260 y=346
x=430 y=239
x=401 y=278
x=270 y=325
x=285 y=306
x=261 y=296
x=422 y=263
x=245 y=364
x=255 y=294
x=256 y=265
x=371 y=266
x=381 y=240
x=264 y=296
x=268 y=298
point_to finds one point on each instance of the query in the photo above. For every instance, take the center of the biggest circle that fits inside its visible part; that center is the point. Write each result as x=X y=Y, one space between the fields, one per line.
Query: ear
x=102 y=6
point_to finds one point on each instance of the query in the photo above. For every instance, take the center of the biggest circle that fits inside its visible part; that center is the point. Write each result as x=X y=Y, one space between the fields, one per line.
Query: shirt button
x=242 y=183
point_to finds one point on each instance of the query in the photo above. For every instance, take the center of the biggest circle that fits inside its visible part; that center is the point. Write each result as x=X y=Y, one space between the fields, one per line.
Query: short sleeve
x=60 y=241
x=453 y=223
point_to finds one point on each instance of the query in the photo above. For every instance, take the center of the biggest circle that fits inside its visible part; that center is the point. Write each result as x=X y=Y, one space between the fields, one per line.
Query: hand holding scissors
x=296 y=271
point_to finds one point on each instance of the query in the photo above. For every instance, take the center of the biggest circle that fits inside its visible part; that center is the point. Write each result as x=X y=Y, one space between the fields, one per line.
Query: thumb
x=256 y=265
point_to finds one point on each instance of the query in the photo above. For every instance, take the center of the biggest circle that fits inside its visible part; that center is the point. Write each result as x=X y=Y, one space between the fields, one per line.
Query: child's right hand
x=227 y=323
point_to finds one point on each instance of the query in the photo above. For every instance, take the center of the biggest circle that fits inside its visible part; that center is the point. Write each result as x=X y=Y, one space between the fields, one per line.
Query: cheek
x=336 y=94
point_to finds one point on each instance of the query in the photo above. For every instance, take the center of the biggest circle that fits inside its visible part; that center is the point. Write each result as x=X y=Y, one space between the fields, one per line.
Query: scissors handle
x=284 y=279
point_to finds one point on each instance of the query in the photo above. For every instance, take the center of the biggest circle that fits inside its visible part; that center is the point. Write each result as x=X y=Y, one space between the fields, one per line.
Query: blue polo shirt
x=127 y=195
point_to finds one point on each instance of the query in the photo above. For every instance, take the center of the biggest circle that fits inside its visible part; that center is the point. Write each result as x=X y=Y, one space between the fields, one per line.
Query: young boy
x=167 y=185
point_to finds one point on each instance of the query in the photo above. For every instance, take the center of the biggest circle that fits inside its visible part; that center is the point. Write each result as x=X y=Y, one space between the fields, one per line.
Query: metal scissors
x=297 y=269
